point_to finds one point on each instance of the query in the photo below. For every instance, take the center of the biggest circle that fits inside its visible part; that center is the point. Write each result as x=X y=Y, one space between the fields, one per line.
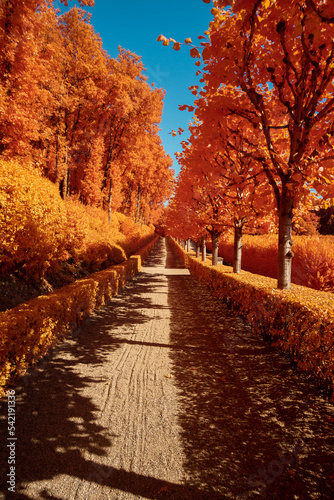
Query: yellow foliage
x=39 y=230
x=301 y=321
x=32 y=217
x=30 y=330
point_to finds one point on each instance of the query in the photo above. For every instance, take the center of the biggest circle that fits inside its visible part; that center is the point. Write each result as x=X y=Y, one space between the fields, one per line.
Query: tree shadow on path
x=58 y=435
x=248 y=422
x=251 y=426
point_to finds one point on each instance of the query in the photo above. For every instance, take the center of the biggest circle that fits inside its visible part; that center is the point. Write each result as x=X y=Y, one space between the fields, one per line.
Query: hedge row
x=30 y=330
x=65 y=233
x=300 y=321
x=312 y=264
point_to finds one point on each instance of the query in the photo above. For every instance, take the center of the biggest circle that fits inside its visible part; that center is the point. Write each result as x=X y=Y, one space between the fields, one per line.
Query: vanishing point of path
x=164 y=394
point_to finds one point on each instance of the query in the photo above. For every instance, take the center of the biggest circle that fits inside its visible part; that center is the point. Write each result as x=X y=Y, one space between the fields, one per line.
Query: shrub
x=32 y=217
x=40 y=231
x=30 y=330
x=300 y=321
x=312 y=265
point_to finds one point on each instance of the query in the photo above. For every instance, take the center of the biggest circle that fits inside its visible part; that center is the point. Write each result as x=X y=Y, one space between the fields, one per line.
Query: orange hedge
x=312 y=265
x=30 y=330
x=300 y=321
x=40 y=231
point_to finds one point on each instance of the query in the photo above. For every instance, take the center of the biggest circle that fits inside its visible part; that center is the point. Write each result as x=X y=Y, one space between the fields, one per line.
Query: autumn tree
x=83 y=71
x=271 y=64
x=231 y=159
x=87 y=121
x=132 y=110
x=221 y=177
x=279 y=78
x=199 y=192
x=26 y=69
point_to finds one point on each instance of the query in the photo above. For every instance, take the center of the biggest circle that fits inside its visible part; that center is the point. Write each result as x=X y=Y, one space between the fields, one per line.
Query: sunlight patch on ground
x=165 y=271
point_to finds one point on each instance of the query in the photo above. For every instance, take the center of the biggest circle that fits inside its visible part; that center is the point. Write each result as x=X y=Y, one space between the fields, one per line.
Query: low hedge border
x=299 y=321
x=29 y=331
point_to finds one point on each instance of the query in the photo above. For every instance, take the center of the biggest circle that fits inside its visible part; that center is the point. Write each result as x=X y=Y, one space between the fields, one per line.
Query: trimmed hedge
x=312 y=264
x=300 y=321
x=30 y=330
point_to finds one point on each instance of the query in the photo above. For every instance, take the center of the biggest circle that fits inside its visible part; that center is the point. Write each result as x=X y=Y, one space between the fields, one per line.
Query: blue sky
x=135 y=25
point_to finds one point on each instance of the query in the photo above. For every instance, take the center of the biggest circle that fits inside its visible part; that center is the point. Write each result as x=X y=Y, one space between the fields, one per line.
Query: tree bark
x=66 y=179
x=110 y=200
x=109 y=159
x=138 y=205
x=107 y=174
x=127 y=204
x=203 y=249
x=198 y=249
x=188 y=245
x=237 y=248
x=215 y=246
x=285 y=243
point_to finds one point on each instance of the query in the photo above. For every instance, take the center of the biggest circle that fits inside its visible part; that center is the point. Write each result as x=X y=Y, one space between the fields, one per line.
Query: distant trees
x=90 y=123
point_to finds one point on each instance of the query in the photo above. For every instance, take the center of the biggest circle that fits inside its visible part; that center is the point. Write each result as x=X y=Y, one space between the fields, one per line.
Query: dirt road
x=163 y=394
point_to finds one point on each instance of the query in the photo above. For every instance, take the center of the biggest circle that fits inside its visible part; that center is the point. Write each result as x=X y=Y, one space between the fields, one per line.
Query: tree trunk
x=215 y=246
x=66 y=175
x=107 y=174
x=203 y=249
x=188 y=245
x=138 y=205
x=69 y=172
x=57 y=156
x=285 y=253
x=143 y=210
x=66 y=181
x=198 y=249
x=109 y=159
x=237 y=248
x=127 y=204
x=110 y=201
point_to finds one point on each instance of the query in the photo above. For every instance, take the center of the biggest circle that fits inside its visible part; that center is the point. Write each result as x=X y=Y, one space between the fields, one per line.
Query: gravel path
x=163 y=394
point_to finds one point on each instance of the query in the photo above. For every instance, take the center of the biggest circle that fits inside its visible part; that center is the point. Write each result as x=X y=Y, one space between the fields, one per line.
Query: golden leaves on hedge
x=301 y=320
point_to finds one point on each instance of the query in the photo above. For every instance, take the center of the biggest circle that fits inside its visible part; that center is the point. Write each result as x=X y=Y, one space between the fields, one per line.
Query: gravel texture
x=164 y=394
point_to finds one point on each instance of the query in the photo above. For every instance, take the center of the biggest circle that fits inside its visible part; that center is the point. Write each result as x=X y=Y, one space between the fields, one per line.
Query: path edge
x=291 y=321
x=31 y=330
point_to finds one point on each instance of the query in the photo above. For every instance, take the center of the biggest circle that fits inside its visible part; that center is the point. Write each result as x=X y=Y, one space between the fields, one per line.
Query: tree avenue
x=267 y=75
x=86 y=121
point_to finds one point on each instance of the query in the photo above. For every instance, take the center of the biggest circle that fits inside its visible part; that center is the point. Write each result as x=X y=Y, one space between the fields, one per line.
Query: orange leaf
x=195 y=52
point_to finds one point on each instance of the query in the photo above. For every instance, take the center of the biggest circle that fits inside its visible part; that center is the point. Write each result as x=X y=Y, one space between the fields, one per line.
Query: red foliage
x=87 y=121
x=312 y=265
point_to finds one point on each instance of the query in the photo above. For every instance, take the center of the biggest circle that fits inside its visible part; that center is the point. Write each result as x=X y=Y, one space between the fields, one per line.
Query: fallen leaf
x=169 y=375
x=164 y=488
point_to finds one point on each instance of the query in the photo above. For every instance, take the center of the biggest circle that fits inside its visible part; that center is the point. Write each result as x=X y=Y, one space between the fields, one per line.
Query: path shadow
x=57 y=428
x=251 y=426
